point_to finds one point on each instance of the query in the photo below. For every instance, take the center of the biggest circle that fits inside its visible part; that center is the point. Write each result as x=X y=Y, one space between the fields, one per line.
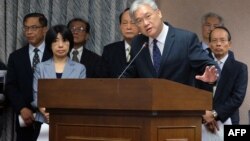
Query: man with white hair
x=172 y=53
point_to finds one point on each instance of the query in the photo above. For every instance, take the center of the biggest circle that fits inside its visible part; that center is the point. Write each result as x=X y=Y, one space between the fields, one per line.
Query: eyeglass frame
x=216 y=41
x=77 y=29
x=31 y=28
x=211 y=26
x=147 y=16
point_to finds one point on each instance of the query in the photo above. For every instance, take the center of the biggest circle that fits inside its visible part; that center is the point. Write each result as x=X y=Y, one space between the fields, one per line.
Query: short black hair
x=80 y=20
x=42 y=19
x=223 y=28
x=51 y=36
x=120 y=17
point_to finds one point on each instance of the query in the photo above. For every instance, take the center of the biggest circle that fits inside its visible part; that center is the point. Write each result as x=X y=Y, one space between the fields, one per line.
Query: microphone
x=143 y=46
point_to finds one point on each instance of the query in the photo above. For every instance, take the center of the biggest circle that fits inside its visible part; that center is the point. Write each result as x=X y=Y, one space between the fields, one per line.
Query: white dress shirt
x=160 y=41
x=127 y=51
x=41 y=48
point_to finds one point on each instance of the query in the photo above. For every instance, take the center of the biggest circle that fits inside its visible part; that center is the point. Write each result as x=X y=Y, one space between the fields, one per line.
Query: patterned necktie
x=128 y=54
x=156 y=56
x=75 y=58
x=36 y=59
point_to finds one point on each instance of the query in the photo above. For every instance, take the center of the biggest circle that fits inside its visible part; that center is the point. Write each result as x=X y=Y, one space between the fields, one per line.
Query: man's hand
x=45 y=114
x=212 y=126
x=27 y=116
x=210 y=122
x=210 y=75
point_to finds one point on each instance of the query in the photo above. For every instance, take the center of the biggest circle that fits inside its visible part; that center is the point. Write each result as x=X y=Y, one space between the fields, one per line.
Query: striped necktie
x=128 y=54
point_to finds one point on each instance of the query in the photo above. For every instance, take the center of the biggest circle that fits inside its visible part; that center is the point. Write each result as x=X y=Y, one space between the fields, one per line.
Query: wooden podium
x=123 y=110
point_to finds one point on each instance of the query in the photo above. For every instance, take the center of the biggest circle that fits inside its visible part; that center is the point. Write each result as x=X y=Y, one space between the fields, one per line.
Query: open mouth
x=148 y=30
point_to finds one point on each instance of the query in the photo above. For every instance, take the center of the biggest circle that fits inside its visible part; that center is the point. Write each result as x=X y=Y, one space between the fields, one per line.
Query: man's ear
x=159 y=13
x=45 y=29
x=230 y=44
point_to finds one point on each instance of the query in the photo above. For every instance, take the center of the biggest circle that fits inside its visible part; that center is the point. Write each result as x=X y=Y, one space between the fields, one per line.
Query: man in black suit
x=171 y=53
x=230 y=90
x=116 y=56
x=19 y=79
x=80 y=29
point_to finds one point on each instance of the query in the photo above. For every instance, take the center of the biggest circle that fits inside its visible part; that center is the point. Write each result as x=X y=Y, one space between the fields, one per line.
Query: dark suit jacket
x=182 y=58
x=231 y=90
x=2 y=66
x=92 y=63
x=19 y=79
x=232 y=72
x=114 y=59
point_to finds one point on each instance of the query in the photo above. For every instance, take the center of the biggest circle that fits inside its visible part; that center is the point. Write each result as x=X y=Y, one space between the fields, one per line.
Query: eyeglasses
x=77 y=29
x=222 y=41
x=31 y=28
x=127 y=22
x=211 y=26
x=146 y=17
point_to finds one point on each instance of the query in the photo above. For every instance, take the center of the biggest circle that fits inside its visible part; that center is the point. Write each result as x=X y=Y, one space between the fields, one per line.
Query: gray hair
x=137 y=3
x=211 y=14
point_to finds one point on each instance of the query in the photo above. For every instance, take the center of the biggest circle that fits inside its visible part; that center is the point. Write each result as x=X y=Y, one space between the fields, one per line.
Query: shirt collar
x=41 y=47
x=162 y=36
x=127 y=46
x=204 y=45
x=222 y=60
x=80 y=49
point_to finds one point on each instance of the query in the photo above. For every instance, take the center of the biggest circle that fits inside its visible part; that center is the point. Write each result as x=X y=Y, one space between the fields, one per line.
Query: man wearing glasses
x=172 y=53
x=80 y=29
x=230 y=90
x=19 y=78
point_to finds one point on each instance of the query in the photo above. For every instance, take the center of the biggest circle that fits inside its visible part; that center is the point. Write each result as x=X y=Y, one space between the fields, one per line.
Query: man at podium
x=170 y=53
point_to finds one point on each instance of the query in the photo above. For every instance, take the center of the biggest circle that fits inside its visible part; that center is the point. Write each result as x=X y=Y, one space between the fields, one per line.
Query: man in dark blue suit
x=116 y=56
x=171 y=53
x=230 y=91
x=19 y=79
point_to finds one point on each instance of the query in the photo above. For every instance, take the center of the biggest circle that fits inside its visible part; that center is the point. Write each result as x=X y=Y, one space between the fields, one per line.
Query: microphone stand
x=143 y=46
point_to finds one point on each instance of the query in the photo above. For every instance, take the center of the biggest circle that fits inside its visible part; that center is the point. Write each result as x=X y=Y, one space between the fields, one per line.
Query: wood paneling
x=123 y=110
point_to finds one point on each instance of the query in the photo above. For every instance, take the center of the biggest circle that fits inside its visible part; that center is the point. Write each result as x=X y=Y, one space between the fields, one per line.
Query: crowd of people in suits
x=170 y=53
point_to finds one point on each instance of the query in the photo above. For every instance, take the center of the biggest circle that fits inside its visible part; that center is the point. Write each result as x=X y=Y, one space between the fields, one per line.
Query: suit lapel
x=82 y=60
x=49 y=67
x=68 y=69
x=167 y=47
x=27 y=61
x=46 y=55
x=122 y=52
x=148 y=60
x=226 y=71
